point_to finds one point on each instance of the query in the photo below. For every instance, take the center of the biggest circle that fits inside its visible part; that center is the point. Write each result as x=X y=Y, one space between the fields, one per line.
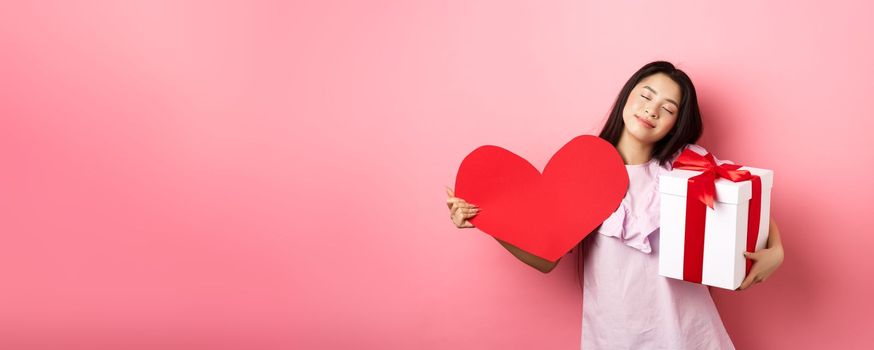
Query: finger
x=464 y=205
x=452 y=200
x=747 y=282
x=470 y=210
x=751 y=256
x=456 y=200
x=464 y=215
x=753 y=275
x=455 y=206
x=450 y=192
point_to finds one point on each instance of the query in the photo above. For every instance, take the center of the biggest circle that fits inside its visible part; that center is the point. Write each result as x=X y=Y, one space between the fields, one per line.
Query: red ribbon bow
x=702 y=186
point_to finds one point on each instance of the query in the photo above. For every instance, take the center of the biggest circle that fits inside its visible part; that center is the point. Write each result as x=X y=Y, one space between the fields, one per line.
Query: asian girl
x=626 y=304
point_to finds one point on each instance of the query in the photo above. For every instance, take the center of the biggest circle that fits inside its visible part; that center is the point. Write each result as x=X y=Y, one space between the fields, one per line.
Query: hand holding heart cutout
x=544 y=214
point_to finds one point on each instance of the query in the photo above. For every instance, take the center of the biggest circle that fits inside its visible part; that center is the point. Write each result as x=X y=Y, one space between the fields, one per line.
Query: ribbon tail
x=709 y=194
x=754 y=218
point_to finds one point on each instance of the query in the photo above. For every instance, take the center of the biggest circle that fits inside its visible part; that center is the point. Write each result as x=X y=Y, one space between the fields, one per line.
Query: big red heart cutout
x=545 y=215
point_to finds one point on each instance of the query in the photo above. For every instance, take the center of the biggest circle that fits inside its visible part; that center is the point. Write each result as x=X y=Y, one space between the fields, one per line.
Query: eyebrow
x=667 y=99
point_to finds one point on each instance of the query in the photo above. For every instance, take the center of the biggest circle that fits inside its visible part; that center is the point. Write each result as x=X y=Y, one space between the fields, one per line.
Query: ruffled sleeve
x=631 y=228
x=638 y=214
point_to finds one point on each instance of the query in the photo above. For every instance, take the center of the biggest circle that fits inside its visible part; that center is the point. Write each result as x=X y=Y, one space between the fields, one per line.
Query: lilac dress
x=626 y=304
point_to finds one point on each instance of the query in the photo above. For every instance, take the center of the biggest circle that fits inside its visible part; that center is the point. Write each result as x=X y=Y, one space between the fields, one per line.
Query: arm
x=534 y=261
x=765 y=261
x=774 y=236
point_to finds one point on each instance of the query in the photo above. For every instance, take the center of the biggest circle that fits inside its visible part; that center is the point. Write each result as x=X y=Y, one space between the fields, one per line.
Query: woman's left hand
x=765 y=262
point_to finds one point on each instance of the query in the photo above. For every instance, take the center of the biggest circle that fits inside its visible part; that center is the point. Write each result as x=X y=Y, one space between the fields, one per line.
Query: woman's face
x=652 y=107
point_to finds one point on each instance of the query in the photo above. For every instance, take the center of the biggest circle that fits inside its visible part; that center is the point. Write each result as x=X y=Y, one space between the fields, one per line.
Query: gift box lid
x=675 y=183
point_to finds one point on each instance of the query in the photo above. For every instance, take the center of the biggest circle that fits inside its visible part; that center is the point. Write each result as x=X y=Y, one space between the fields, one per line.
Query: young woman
x=626 y=304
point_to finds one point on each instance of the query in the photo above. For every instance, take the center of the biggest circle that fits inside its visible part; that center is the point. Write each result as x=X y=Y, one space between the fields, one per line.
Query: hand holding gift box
x=710 y=215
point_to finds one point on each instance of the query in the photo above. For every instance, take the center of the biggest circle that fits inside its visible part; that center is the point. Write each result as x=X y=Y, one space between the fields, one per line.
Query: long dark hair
x=686 y=130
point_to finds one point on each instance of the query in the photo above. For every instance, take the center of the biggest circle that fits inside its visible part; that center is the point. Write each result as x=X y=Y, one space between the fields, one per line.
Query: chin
x=640 y=137
x=649 y=137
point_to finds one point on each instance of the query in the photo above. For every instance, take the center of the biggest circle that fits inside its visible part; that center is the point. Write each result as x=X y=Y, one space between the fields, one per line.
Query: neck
x=633 y=151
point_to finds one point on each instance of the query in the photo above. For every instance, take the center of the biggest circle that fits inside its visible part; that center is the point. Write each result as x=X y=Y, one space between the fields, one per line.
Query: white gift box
x=725 y=228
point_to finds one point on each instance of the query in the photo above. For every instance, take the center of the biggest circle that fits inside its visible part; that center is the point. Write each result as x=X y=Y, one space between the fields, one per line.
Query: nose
x=646 y=112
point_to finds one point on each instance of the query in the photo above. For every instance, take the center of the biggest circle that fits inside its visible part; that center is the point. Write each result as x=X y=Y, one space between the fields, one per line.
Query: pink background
x=240 y=175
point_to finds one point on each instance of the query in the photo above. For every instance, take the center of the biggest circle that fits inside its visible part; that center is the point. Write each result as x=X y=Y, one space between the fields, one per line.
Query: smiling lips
x=645 y=122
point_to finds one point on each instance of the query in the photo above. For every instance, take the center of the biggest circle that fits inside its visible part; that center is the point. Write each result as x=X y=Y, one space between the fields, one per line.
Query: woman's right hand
x=460 y=210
